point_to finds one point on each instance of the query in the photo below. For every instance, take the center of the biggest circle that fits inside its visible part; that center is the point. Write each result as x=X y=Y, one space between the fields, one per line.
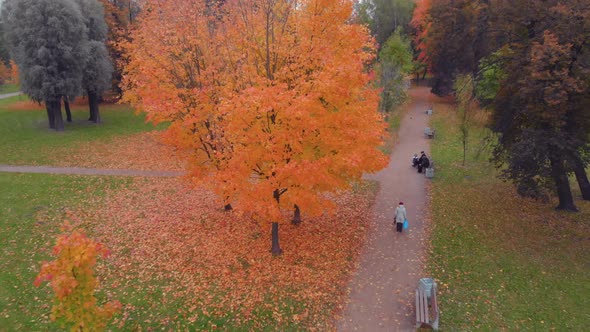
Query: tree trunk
x=228 y=207
x=50 y=116
x=67 y=107
x=93 y=105
x=296 y=216
x=582 y=179
x=464 y=150
x=56 y=110
x=566 y=200
x=276 y=248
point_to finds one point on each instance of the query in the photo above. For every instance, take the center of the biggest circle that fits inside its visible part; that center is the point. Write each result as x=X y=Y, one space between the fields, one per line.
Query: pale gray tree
x=98 y=69
x=48 y=41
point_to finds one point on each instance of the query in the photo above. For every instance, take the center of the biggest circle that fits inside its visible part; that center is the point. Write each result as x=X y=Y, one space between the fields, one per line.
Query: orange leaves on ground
x=218 y=262
x=271 y=98
x=144 y=151
x=72 y=279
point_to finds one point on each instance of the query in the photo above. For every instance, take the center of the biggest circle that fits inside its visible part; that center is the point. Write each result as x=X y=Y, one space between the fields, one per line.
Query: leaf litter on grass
x=168 y=237
x=143 y=151
x=493 y=251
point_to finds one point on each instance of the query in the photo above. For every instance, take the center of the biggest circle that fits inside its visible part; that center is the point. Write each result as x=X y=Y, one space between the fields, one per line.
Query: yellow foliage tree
x=72 y=279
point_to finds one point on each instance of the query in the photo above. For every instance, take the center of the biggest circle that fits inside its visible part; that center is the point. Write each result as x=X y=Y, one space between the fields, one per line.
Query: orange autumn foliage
x=422 y=25
x=272 y=98
x=72 y=279
x=4 y=73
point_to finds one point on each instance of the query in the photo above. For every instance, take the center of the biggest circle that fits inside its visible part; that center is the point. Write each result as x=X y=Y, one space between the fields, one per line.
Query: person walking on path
x=400 y=216
x=381 y=292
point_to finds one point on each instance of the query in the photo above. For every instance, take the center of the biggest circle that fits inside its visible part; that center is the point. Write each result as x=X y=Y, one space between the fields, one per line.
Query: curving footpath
x=11 y=94
x=85 y=171
x=381 y=293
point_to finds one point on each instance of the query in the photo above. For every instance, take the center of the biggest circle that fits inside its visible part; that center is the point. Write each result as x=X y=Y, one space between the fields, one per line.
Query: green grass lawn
x=26 y=138
x=8 y=88
x=502 y=262
x=32 y=208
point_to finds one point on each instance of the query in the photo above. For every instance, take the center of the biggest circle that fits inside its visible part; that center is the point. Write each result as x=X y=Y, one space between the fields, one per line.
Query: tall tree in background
x=98 y=69
x=120 y=15
x=458 y=38
x=421 y=25
x=4 y=55
x=47 y=40
x=465 y=96
x=532 y=118
x=261 y=98
x=384 y=16
x=395 y=64
x=542 y=100
x=389 y=16
x=533 y=71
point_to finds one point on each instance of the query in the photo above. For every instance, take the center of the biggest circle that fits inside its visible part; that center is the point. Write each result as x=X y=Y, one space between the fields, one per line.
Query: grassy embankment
x=503 y=262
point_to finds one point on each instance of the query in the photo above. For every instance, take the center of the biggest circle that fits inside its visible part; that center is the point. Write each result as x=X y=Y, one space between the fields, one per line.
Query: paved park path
x=8 y=95
x=85 y=171
x=79 y=170
x=382 y=290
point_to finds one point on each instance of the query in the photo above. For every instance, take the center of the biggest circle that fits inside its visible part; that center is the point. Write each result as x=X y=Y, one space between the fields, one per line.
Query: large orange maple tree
x=272 y=99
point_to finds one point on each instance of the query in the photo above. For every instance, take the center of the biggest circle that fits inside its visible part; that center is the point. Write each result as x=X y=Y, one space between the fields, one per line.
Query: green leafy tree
x=384 y=16
x=395 y=64
x=535 y=108
x=459 y=36
x=532 y=61
x=98 y=69
x=490 y=76
x=465 y=95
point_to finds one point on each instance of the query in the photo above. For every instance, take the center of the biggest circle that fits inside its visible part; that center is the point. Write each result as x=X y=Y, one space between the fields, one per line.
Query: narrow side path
x=382 y=290
x=11 y=94
x=85 y=171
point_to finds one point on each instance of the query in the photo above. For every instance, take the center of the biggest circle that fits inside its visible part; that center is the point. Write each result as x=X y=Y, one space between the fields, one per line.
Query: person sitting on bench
x=421 y=161
x=415 y=160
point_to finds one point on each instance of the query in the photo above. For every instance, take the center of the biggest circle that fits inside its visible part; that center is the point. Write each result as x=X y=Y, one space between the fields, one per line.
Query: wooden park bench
x=426 y=306
x=428 y=132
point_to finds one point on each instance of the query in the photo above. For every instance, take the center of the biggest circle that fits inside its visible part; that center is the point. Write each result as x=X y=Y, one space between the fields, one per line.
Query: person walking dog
x=400 y=216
